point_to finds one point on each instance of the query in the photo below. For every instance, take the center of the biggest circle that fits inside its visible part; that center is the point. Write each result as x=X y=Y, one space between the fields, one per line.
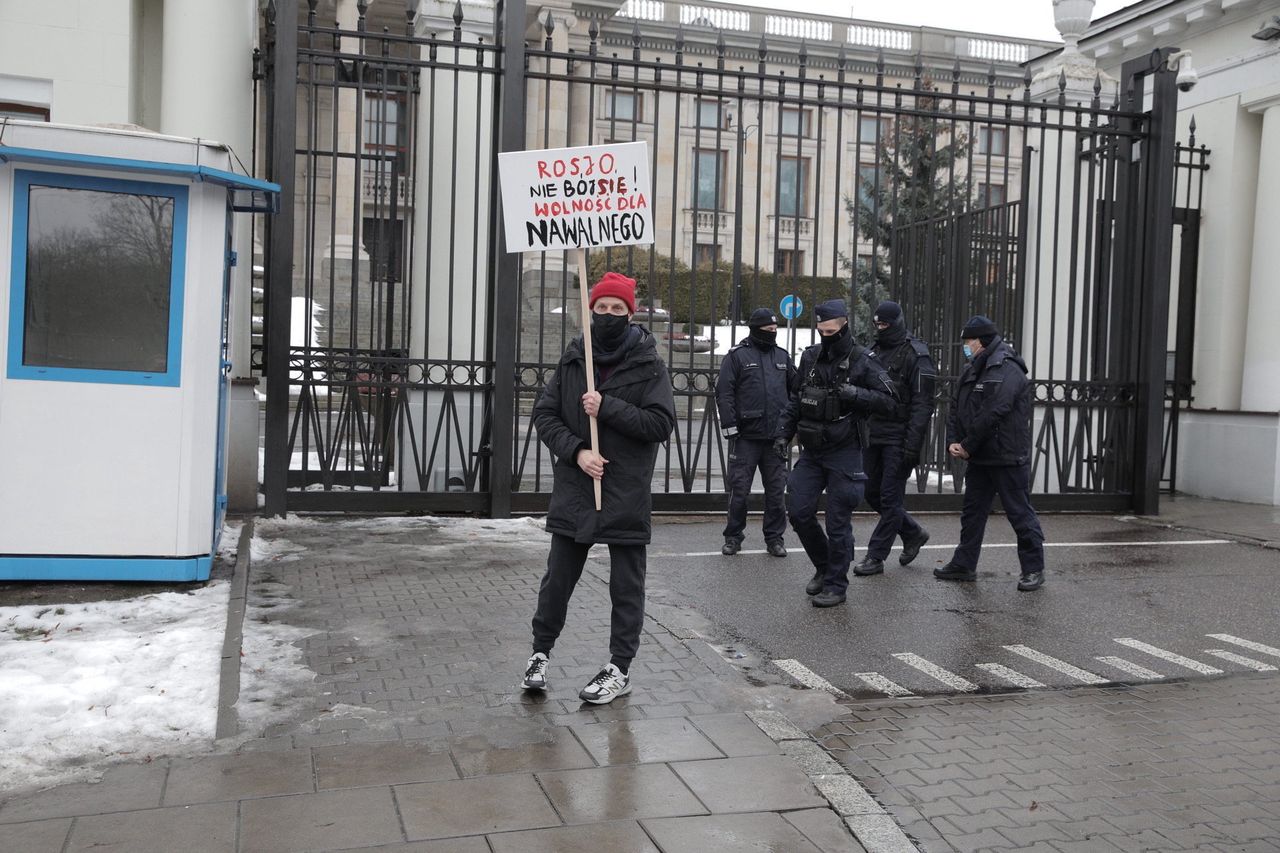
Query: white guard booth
x=115 y=256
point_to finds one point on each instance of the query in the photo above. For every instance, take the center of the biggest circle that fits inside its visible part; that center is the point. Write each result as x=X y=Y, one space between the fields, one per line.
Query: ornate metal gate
x=404 y=347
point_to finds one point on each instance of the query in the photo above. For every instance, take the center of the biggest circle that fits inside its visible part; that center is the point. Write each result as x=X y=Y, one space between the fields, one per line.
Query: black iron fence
x=405 y=347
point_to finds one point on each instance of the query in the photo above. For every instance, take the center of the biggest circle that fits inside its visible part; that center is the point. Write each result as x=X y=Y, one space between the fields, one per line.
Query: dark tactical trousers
x=747 y=455
x=1013 y=483
x=838 y=472
x=886 y=488
x=626 y=593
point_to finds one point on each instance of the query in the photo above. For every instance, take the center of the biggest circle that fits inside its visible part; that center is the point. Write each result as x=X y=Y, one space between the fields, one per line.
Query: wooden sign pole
x=581 y=256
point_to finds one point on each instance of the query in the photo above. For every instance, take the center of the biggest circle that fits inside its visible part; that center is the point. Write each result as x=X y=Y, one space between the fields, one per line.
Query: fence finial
x=1026 y=84
x=410 y=13
x=720 y=50
x=1096 y=103
x=918 y=82
x=955 y=77
x=1062 y=87
x=593 y=35
x=311 y=12
x=1191 y=143
x=880 y=67
x=362 y=10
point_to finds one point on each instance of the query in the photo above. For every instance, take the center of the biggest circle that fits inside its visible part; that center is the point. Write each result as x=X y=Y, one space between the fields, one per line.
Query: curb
x=229 y=671
x=874 y=828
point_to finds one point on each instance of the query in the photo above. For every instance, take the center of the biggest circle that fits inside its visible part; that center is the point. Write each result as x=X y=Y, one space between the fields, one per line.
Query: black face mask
x=830 y=342
x=608 y=331
x=892 y=336
x=765 y=339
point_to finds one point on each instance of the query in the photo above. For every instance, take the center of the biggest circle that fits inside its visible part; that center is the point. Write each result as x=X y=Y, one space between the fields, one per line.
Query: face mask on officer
x=832 y=337
x=968 y=351
x=765 y=335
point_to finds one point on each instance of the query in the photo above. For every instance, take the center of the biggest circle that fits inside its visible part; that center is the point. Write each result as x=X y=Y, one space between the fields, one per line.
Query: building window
x=793 y=184
x=98 y=266
x=795 y=122
x=993 y=140
x=871 y=129
x=624 y=106
x=23 y=111
x=705 y=256
x=868 y=185
x=788 y=261
x=708 y=186
x=710 y=114
x=384 y=133
x=864 y=262
x=990 y=195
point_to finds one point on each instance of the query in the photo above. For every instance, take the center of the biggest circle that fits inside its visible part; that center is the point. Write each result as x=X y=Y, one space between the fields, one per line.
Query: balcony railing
x=708 y=222
x=788 y=227
x=375 y=188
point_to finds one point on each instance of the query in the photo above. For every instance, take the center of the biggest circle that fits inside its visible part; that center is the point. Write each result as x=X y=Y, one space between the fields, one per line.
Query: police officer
x=839 y=385
x=989 y=426
x=896 y=439
x=752 y=390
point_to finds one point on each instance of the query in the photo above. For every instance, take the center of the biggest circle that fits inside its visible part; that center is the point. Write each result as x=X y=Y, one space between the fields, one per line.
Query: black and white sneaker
x=609 y=684
x=535 y=674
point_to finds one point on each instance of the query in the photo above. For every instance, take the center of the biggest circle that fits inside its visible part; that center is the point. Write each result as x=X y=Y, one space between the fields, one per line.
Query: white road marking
x=1081 y=675
x=1012 y=676
x=1130 y=667
x=1008 y=545
x=808 y=677
x=936 y=672
x=1241 y=659
x=876 y=681
x=1171 y=657
x=1247 y=644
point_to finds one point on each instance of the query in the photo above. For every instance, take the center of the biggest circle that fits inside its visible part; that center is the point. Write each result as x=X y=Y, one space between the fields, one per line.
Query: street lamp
x=740 y=134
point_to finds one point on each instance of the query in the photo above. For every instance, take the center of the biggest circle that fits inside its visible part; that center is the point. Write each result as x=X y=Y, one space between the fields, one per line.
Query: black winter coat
x=753 y=388
x=864 y=390
x=913 y=373
x=991 y=408
x=637 y=414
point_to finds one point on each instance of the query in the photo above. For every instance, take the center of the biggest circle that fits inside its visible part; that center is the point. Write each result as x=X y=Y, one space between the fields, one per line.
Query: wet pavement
x=413 y=735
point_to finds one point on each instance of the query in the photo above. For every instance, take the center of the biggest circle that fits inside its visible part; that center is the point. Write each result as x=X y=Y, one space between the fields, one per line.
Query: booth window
x=98 y=266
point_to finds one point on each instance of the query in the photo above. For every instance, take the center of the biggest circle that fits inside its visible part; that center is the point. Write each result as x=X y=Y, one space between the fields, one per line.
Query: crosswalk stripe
x=1081 y=675
x=988 y=545
x=1246 y=644
x=936 y=672
x=808 y=677
x=876 y=681
x=1171 y=657
x=1012 y=676
x=1130 y=667
x=1241 y=659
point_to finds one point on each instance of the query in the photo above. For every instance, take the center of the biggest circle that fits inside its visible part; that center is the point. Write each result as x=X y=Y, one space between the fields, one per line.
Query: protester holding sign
x=635 y=409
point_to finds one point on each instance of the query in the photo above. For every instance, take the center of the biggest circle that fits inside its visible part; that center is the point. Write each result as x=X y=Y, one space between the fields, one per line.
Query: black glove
x=850 y=397
x=910 y=461
x=781 y=446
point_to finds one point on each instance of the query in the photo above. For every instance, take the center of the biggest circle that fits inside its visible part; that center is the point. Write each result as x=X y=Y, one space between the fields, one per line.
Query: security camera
x=1180 y=61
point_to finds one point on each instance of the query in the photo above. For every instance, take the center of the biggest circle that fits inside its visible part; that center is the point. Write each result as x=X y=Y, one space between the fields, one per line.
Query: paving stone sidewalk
x=414 y=736
x=1155 y=767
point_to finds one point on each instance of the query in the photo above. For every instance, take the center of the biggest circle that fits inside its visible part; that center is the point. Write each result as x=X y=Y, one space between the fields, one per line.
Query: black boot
x=911 y=550
x=776 y=548
x=814 y=586
x=952 y=572
x=1031 y=581
x=731 y=547
x=869 y=566
x=827 y=599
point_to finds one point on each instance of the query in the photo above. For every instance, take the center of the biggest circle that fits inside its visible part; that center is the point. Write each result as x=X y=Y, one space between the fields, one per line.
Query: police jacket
x=860 y=385
x=907 y=360
x=753 y=388
x=991 y=408
x=637 y=414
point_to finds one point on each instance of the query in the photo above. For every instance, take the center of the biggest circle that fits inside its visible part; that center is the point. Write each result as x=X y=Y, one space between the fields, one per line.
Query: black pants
x=1013 y=483
x=747 y=455
x=838 y=472
x=886 y=487
x=626 y=592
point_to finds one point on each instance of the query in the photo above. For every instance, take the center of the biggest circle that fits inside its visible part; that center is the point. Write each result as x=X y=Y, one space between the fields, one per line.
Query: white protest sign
x=576 y=198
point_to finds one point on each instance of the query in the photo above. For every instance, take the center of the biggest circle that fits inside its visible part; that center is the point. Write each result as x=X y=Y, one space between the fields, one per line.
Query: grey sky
x=1025 y=18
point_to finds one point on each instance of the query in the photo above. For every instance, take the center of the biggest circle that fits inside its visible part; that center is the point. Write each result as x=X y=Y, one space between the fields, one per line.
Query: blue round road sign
x=790 y=306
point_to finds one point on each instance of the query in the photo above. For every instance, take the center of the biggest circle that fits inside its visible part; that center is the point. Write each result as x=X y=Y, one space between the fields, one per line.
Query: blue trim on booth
x=14 y=567
x=23 y=180
x=120 y=164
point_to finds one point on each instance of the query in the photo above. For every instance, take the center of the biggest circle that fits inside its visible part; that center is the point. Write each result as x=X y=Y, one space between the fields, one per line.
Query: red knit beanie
x=618 y=285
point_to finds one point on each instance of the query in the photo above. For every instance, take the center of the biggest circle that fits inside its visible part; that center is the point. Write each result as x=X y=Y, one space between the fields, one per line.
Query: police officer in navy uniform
x=989 y=426
x=753 y=388
x=896 y=439
x=840 y=384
